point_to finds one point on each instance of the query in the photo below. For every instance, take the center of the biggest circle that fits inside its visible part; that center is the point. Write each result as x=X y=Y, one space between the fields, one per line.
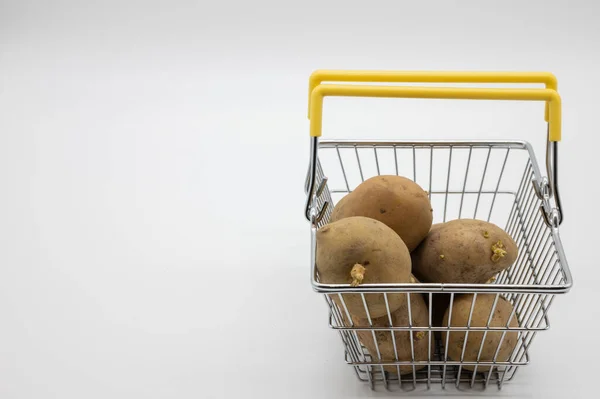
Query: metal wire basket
x=495 y=181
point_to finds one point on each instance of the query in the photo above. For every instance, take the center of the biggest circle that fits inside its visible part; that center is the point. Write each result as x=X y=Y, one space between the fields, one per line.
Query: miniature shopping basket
x=496 y=181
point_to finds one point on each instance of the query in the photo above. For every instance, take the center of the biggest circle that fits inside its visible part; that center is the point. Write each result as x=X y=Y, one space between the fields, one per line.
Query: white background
x=152 y=160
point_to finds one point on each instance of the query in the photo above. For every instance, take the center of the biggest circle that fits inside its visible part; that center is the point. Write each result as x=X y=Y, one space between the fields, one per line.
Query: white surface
x=152 y=158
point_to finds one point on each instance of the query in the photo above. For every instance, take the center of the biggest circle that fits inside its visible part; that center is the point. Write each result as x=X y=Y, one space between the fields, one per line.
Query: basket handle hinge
x=556 y=214
x=313 y=192
x=546 y=191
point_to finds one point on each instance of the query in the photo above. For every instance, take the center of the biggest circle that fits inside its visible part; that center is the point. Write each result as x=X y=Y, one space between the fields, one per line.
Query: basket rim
x=523 y=144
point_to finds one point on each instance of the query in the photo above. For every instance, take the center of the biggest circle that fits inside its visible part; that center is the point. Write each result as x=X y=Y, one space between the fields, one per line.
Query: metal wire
x=470 y=182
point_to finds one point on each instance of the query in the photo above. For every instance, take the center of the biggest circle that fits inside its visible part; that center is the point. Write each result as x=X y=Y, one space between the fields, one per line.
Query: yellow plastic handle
x=324 y=90
x=323 y=75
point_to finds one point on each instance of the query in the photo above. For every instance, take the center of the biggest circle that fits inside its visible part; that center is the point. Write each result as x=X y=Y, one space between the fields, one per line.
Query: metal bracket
x=547 y=189
x=312 y=214
x=551 y=214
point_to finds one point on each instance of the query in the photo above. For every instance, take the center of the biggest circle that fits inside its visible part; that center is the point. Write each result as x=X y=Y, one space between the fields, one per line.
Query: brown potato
x=439 y=306
x=394 y=200
x=481 y=313
x=463 y=251
x=385 y=343
x=359 y=250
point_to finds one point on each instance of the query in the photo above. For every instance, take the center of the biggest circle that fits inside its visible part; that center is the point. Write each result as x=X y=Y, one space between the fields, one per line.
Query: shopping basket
x=496 y=181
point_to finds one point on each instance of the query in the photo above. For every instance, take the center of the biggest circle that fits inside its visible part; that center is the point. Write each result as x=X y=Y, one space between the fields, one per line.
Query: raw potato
x=463 y=251
x=359 y=250
x=385 y=342
x=481 y=313
x=440 y=304
x=394 y=200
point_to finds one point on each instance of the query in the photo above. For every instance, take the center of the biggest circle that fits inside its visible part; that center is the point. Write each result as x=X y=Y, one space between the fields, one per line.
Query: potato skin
x=394 y=200
x=460 y=251
x=360 y=240
x=400 y=318
x=481 y=313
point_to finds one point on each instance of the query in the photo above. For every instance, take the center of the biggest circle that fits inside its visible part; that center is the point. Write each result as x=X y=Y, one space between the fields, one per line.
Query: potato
x=394 y=200
x=439 y=306
x=463 y=251
x=481 y=313
x=359 y=250
x=385 y=342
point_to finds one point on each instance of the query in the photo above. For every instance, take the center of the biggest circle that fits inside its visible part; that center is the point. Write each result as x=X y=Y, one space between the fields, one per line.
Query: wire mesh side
x=492 y=182
x=376 y=362
x=462 y=180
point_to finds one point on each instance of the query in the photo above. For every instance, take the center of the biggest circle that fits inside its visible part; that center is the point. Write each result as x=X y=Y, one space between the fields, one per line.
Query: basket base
x=448 y=375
